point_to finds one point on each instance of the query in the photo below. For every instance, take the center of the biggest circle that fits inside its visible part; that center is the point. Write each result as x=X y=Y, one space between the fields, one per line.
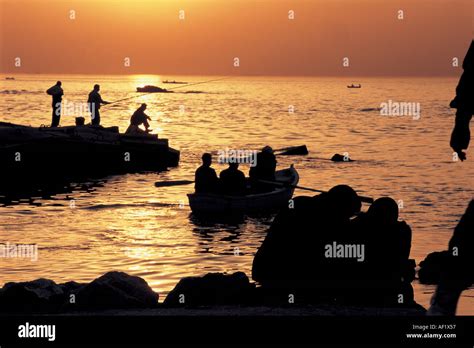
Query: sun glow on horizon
x=144 y=80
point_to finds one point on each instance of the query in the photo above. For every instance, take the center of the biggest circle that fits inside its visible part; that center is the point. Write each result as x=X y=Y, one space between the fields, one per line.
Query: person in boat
x=264 y=169
x=232 y=180
x=464 y=105
x=94 y=101
x=387 y=272
x=293 y=258
x=205 y=178
x=56 y=92
x=139 y=118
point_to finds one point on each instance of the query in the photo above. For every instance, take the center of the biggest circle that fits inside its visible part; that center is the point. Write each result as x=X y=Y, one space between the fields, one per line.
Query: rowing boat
x=212 y=204
x=175 y=82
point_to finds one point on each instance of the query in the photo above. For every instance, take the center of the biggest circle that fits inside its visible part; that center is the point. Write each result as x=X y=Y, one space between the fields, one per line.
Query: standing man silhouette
x=464 y=103
x=94 y=102
x=57 y=93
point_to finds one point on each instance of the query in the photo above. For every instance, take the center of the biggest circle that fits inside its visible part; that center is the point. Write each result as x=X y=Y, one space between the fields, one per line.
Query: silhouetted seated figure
x=139 y=118
x=232 y=181
x=206 y=180
x=385 y=276
x=293 y=259
x=457 y=274
x=464 y=103
x=263 y=170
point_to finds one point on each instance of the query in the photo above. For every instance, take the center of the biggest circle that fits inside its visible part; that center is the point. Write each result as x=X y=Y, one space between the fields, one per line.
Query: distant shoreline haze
x=205 y=37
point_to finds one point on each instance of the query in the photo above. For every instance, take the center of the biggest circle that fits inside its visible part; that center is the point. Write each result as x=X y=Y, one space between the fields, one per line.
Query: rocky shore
x=120 y=294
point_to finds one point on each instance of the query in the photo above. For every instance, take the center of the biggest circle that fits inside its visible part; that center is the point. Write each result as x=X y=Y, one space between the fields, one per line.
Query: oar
x=292 y=151
x=173 y=183
x=279 y=183
x=287 y=151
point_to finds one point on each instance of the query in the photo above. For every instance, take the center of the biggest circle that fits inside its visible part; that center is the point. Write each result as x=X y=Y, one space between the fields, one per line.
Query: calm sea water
x=127 y=224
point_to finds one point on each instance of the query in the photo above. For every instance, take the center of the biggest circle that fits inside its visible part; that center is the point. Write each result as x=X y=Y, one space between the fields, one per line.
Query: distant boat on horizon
x=9 y=78
x=152 y=89
x=355 y=86
x=175 y=82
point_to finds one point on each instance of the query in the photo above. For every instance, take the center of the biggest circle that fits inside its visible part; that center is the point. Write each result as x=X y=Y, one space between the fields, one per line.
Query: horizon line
x=232 y=76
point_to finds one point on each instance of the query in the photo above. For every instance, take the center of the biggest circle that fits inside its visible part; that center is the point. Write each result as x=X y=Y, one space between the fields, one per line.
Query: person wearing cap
x=264 y=169
x=139 y=118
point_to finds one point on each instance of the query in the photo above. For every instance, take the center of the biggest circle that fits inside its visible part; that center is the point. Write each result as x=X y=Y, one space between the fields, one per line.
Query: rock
x=211 y=289
x=42 y=295
x=340 y=158
x=114 y=290
x=431 y=267
x=71 y=287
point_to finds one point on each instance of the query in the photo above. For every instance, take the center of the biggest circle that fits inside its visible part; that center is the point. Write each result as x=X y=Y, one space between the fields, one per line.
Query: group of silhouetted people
x=94 y=102
x=323 y=249
x=232 y=181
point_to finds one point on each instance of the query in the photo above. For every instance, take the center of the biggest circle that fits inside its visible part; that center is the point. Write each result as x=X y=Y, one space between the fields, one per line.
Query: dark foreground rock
x=260 y=311
x=40 y=295
x=432 y=266
x=211 y=289
x=113 y=290
x=117 y=293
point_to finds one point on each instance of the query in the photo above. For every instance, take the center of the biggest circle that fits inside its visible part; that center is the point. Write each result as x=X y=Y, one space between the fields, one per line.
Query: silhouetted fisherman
x=139 y=118
x=95 y=100
x=263 y=170
x=292 y=258
x=205 y=178
x=464 y=103
x=385 y=276
x=57 y=93
x=458 y=274
x=232 y=181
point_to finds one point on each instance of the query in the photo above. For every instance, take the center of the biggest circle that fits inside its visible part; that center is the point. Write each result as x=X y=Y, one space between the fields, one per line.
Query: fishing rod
x=187 y=85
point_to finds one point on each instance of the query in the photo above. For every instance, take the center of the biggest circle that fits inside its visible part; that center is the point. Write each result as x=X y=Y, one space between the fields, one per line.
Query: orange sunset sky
x=213 y=32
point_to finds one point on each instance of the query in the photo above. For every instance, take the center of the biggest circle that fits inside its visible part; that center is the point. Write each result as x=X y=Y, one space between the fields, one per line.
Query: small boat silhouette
x=175 y=82
x=354 y=86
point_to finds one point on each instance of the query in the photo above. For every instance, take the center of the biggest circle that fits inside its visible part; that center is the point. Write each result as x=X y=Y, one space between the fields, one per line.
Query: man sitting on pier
x=94 y=102
x=205 y=179
x=232 y=181
x=139 y=118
